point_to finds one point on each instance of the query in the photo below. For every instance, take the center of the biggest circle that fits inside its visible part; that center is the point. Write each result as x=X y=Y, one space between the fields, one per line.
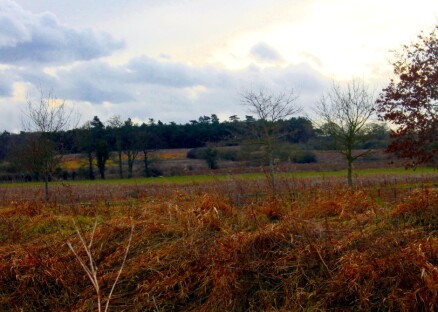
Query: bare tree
x=101 y=145
x=41 y=119
x=116 y=124
x=269 y=108
x=130 y=144
x=87 y=143
x=344 y=113
x=147 y=143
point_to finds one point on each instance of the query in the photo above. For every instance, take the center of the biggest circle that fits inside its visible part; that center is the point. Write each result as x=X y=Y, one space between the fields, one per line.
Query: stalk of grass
x=91 y=269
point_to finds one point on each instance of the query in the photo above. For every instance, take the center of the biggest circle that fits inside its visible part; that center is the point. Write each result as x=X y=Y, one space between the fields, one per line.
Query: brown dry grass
x=224 y=246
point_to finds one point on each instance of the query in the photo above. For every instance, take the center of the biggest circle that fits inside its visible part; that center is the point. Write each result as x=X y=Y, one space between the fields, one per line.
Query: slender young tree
x=42 y=118
x=130 y=144
x=100 y=145
x=269 y=108
x=344 y=114
x=116 y=124
x=148 y=142
x=87 y=144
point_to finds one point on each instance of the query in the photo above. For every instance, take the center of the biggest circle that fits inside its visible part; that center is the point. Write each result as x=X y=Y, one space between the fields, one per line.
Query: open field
x=389 y=181
x=227 y=243
x=174 y=162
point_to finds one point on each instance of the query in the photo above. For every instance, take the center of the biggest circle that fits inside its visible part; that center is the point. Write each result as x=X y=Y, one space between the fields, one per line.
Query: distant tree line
x=159 y=135
x=95 y=135
x=130 y=141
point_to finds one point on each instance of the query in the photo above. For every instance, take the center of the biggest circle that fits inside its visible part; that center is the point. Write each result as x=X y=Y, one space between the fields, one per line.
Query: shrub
x=210 y=155
x=176 y=171
x=304 y=157
x=154 y=172
x=232 y=155
x=284 y=151
x=195 y=153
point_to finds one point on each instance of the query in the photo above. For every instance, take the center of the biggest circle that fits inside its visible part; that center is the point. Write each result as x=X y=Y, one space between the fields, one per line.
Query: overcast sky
x=177 y=60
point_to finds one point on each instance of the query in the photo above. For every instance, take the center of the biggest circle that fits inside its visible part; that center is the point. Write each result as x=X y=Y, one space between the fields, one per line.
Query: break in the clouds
x=41 y=38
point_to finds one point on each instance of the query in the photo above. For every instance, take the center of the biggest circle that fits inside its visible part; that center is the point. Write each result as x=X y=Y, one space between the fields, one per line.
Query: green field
x=247 y=176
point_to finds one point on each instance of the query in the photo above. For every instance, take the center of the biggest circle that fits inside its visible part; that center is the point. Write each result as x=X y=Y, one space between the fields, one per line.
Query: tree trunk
x=120 y=165
x=350 y=171
x=102 y=171
x=130 y=166
x=90 y=166
x=146 y=163
x=132 y=155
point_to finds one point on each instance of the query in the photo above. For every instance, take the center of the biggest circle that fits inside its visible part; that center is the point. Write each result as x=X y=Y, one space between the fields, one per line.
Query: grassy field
x=224 y=243
x=394 y=172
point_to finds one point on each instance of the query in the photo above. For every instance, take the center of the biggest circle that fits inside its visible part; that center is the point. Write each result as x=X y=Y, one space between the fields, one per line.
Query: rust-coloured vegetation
x=223 y=246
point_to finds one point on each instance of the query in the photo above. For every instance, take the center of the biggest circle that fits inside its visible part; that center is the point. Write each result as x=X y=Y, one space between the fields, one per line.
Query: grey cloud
x=304 y=80
x=264 y=52
x=7 y=79
x=4 y=89
x=94 y=82
x=12 y=31
x=179 y=105
x=167 y=103
x=40 y=38
x=97 y=81
x=10 y=116
x=5 y=86
x=148 y=70
x=145 y=87
x=95 y=93
x=172 y=74
x=303 y=77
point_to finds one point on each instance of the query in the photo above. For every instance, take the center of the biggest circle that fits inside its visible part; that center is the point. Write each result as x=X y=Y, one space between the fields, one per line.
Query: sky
x=177 y=60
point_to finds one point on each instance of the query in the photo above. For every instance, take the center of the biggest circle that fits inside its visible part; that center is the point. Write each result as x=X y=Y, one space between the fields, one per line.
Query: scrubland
x=230 y=245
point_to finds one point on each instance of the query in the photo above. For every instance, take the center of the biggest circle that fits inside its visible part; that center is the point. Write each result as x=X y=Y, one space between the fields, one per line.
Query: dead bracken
x=205 y=247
